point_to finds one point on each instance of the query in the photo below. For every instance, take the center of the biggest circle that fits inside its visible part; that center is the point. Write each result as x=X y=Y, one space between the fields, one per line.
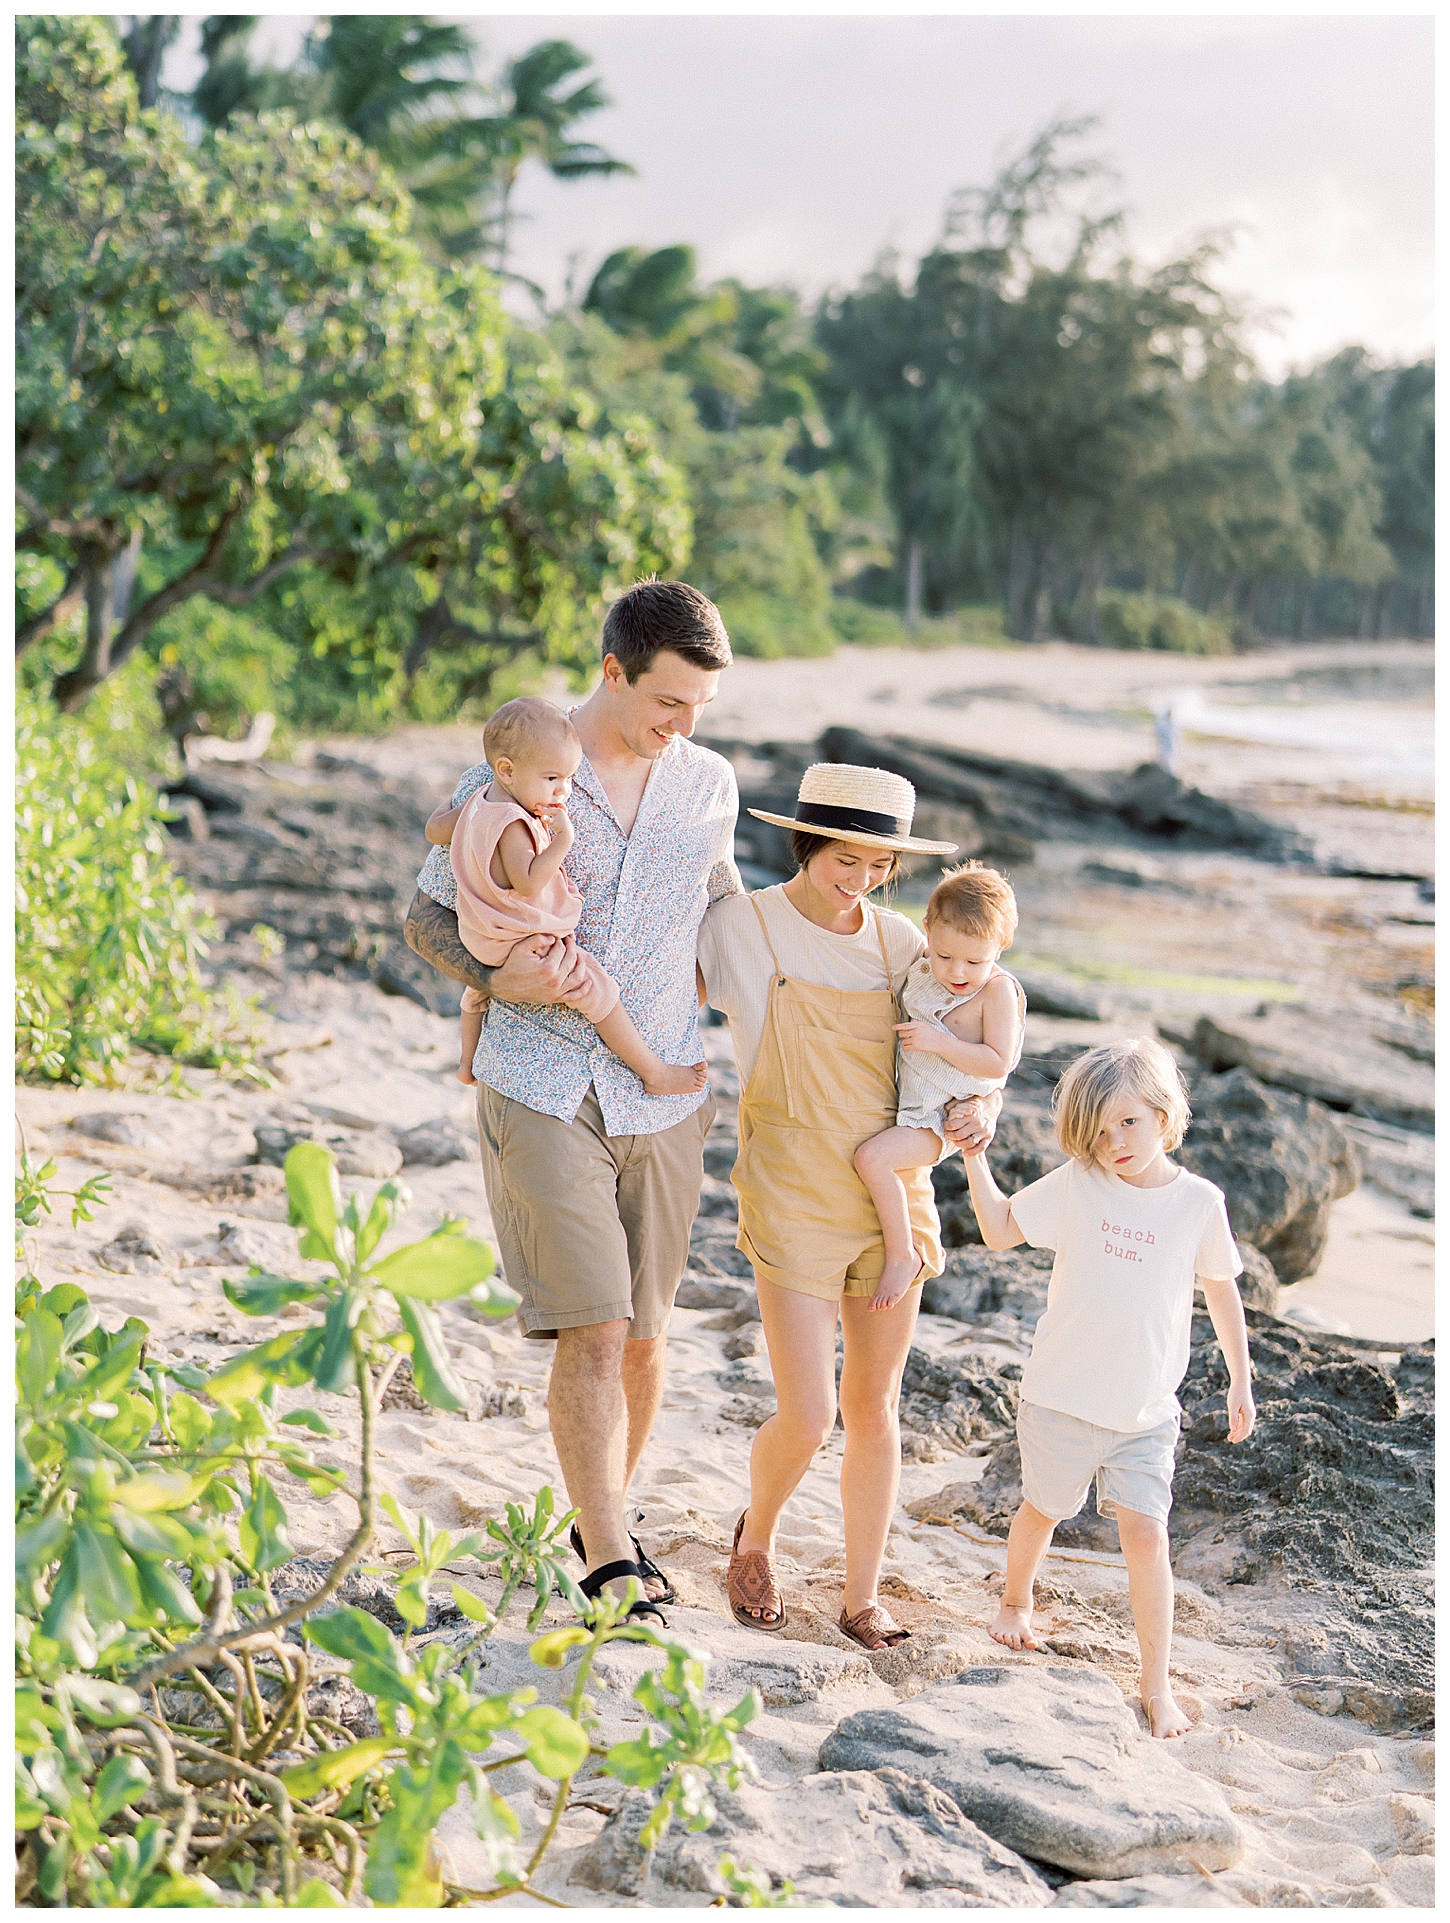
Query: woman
x=807 y=975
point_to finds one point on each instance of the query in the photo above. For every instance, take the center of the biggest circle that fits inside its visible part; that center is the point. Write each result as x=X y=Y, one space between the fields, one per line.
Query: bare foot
x=669 y=1080
x=1165 y=1718
x=1014 y=1628
x=896 y=1279
x=466 y=1076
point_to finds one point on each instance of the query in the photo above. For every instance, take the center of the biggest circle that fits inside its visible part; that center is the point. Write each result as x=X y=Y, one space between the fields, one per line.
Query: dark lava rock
x=958 y=1399
x=432 y=1144
x=976 y=1281
x=373 y=1594
x=1282 y=1162
x=1334 y=1491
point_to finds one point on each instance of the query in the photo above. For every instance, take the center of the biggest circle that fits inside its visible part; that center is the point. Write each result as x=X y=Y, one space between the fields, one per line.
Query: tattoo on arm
x=431 y=930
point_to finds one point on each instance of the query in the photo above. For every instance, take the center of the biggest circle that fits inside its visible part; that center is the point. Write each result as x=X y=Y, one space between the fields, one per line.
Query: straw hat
x=861 y=805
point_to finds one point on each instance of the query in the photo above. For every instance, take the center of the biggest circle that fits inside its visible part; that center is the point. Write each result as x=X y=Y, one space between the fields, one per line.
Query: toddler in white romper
x=943 y=1057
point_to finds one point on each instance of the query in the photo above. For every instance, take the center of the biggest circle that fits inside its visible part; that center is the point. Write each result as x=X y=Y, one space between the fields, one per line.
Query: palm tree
x=535 y=121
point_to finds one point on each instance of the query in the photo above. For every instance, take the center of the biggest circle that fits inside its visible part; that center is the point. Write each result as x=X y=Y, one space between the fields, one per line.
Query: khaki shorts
x=1061 y=1455
x=591 y=1227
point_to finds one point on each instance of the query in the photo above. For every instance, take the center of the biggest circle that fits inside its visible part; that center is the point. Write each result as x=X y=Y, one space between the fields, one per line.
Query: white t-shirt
x=1111 y=1347
x=736 y=963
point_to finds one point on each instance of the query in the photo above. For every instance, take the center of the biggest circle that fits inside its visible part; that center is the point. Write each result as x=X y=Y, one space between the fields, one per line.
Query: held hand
x=919 y=1038
x=970 y=1125
x=528 y=975
x=1241 y=1412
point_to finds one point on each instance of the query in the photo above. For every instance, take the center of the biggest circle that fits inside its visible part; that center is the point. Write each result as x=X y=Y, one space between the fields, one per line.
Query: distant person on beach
x=966 y=1019
x=506 y=847
x=1130 y=1230
x=593 y=1184
x=809 y=976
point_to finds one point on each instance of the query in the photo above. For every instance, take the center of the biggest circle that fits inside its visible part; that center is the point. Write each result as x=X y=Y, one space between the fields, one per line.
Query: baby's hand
x=557 y=821
x=919 y=1037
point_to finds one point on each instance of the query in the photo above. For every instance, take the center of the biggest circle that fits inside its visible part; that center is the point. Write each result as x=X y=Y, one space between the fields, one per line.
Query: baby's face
x=959 y=961
x=544 y=778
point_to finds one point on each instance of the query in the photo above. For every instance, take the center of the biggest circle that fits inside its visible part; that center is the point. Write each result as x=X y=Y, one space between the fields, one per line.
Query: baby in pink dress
x=507 y=846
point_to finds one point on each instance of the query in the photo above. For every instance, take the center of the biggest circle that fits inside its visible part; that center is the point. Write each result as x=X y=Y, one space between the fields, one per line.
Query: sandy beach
x=1334 y=1799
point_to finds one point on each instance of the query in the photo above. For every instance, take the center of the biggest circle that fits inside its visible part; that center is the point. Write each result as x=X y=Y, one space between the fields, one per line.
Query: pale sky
x=793 y=149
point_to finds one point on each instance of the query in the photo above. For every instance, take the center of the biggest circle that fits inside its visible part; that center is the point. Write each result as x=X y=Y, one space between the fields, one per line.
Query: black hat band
x=861 y=821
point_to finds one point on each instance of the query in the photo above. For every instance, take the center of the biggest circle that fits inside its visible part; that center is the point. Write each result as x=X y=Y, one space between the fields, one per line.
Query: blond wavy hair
x=976 y=901
x=1092 y=1084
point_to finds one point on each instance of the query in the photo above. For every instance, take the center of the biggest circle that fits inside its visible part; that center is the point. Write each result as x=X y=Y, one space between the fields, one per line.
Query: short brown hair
x=524 y=723
x=656 y=615
x=976 y=900
x=1142 y=1067
x=805 y=847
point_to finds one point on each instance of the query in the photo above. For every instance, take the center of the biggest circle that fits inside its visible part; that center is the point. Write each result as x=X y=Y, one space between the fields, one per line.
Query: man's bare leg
x=589 y=1419
x=644 y=1389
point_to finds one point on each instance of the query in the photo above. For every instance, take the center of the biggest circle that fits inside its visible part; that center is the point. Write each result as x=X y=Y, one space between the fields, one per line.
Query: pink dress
x=492 y=920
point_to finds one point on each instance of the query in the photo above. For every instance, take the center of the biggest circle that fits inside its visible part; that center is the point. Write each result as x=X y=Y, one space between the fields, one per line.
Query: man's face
x=668 y=699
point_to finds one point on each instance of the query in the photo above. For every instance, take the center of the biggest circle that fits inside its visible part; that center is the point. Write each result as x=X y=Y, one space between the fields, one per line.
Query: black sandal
x=641 y=1606
x=646 y=1565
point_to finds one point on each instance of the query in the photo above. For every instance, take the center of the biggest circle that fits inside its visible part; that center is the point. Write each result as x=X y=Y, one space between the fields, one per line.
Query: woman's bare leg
x=800 y=1333
x=877 y=1345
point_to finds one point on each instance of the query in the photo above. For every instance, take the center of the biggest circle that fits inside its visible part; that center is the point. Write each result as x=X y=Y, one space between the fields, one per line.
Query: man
x=593 y=1185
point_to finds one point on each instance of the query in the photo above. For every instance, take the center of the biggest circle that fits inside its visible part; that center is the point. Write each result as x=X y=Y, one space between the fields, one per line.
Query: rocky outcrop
x=1281 y=1161
x=979 y=1282
x=880 y=1839
x=1052 y=1763
x=1381 y=1070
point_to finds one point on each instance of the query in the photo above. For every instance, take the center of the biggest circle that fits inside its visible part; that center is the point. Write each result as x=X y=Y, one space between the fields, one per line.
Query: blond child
x=1130 y=1231
x=964 y=1037
x=506 y=846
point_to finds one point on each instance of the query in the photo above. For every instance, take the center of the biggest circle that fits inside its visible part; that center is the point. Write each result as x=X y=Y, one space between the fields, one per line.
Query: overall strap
x=778 y=982
x=885 y=958
x=775 y=963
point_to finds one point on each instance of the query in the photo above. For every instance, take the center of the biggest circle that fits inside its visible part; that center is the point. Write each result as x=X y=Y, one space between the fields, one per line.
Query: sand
x=1336 y=1808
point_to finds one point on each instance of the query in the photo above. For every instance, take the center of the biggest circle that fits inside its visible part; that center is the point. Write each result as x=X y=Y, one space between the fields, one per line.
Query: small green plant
x=753 y=1887
x=165 y=1734
x=109 y=939
x=34 y=1188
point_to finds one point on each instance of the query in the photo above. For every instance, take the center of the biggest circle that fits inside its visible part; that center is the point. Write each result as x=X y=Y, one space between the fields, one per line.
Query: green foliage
x=138 y=1504
x=1160 y=621
x=34 y=1188
x=109 y=940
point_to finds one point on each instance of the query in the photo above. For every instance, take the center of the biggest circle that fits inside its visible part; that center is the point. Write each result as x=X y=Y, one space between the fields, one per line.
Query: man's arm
x=431 y=930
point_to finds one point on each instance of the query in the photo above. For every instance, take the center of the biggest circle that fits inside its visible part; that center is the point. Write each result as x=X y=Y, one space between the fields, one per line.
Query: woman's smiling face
x=845 y=872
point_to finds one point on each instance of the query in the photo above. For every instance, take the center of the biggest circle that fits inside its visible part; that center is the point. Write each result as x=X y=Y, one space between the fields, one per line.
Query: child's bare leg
x=619 y=1034
x=1150 y=1591
x=471 y=1023
x=1027 y=1544
x=877 y=1162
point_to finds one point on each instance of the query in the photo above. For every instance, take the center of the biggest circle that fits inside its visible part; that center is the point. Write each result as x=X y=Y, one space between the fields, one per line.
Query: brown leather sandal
x=750 y=1584
x=872 y=1628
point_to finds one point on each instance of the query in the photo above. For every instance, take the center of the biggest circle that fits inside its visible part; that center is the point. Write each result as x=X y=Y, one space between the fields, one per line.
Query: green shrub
x=108 y=937
x=768 y=627
x=1160 y=621
x=236 y=665
x=865 y=626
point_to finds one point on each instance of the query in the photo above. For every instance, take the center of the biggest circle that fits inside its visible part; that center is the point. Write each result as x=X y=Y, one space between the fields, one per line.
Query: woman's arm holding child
x=441 y=824
x=1226 y=1312
x=991 y=1058
x=992 y=1208
x=529 y=874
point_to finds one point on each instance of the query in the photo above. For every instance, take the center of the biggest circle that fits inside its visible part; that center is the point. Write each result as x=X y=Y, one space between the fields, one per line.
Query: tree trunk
x=71 y=688
x=1190 y=582
x=123 y=577
x=1041 y=609
x=913 y=586
x=146 y=44
x=1086 y=609
x=1019 y=563
x=1251 y=608
x=1306 y=615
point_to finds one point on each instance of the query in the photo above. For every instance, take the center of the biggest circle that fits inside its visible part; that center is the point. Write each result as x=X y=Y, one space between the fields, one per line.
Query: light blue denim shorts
x=1061 y=1454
